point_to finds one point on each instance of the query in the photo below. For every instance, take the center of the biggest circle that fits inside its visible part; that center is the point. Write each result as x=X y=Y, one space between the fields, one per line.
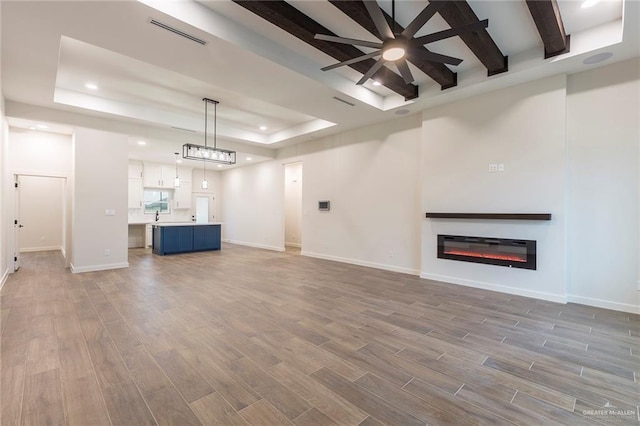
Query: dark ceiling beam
x=357 y=11
x=546 y=15
x=291 y=20
x=458 y=13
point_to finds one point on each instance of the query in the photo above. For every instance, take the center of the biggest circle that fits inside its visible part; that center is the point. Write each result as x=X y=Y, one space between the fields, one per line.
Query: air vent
x=343 y=101
x=177 y=31
x=183 y=129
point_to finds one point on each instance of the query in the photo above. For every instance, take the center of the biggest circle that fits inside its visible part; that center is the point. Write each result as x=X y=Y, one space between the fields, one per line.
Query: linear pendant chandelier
x=207 y=153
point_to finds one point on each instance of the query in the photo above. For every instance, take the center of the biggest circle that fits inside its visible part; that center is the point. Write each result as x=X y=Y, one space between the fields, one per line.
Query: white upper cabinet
x=135 y=193
x=135 y=170
x=135 y=186
x=182 y=194
x=158 y=175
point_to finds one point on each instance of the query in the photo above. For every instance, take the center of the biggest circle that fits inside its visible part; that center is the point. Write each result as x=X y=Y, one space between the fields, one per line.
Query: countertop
x=163 y=224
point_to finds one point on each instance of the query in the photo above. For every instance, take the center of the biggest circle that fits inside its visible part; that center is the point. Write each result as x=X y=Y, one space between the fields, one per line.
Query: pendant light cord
x=204 y=161
x=206 y=115
x=215 y=124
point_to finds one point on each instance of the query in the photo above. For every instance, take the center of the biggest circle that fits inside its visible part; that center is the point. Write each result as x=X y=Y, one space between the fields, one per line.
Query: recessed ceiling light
x=588 y=3
x=249 y=158
x=598 y=57
x=263 y=127
x=32 y=127
x=376 y=83
x=219 y=165
x=142 y=143
x=178 y=161
x=42 y=126
x=91 y=86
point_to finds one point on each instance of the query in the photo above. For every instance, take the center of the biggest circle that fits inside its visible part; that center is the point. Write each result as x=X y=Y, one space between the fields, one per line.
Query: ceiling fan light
x=393 y=53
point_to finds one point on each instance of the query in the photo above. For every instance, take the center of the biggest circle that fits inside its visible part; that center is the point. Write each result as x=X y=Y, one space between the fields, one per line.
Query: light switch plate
x=109 y=212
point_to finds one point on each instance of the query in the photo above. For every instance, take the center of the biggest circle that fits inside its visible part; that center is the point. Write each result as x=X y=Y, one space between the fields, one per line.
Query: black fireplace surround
x=492 y=251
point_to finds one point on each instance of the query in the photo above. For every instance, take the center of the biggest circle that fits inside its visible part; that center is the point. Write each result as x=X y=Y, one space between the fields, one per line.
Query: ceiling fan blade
x=426 y=55
x=419 y=21
x=345 y=40
x=378 y=19
x=371 y=72
x=452 y=32
x=405 y=72
x=353 y=61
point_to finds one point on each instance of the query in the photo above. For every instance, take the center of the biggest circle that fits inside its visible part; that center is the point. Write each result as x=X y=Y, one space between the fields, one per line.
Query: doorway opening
x=293 y=207
x=40 y=216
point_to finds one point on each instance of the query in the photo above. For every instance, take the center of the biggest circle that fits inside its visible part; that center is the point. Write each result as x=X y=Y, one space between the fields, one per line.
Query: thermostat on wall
x=324 y=205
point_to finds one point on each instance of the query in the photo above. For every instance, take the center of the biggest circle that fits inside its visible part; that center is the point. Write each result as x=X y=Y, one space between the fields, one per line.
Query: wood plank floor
x=248 y=336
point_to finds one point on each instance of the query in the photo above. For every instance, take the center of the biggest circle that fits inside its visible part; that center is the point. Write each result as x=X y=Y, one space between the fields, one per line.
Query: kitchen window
x=156 y=201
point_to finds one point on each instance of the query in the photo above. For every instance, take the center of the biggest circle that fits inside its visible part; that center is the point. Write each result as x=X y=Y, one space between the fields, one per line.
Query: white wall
x=40 y=153
x=370 y=175
x=293 y=204
x=6 y=229
x=5 y=255
x=41 y=213
x=253 y=207
x=100 y=165
x=524 y=128
x=4 y=217
x=603 y=116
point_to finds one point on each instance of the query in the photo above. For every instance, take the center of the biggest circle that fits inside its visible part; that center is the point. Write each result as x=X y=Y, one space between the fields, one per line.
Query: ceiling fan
x=401 y=47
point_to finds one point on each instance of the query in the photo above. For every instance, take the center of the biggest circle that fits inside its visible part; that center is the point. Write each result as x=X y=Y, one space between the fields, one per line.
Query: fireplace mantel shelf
x=507 y=216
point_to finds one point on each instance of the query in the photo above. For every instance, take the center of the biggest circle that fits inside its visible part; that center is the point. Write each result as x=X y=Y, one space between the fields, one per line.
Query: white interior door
x=16 y=225
x=202 y=209
x=293 y=205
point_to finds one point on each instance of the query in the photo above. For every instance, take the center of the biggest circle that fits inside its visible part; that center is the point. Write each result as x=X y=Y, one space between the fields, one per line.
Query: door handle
x=21 y=226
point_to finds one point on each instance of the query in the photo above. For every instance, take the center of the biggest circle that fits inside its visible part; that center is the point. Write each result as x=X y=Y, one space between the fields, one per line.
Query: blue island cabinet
x=170 y=239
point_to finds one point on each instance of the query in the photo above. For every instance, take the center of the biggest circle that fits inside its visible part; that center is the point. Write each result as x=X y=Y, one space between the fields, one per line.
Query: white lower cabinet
x=148 y=239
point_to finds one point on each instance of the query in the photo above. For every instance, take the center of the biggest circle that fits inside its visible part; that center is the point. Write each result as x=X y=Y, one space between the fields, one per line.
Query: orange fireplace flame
x=510 y=257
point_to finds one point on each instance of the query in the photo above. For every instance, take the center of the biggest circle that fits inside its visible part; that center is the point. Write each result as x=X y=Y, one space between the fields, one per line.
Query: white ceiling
x=151 y=82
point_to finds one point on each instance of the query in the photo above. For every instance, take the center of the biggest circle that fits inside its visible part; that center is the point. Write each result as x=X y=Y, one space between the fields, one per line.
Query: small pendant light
x=176 y=181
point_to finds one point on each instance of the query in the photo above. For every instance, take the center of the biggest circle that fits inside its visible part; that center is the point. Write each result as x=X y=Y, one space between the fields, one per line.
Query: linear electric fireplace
x=492 y=251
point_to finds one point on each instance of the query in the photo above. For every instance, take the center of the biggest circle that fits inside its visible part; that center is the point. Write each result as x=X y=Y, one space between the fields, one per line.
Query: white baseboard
x=495 y=287
x=92 y=268
x=358 y=262
x=33 y=249
x=298 y=245
x=4 y=278
x=599 y=303
x=63 y=251
x=260 y=246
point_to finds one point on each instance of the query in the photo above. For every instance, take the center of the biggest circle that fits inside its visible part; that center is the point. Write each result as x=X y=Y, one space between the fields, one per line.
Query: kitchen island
x=170 y=238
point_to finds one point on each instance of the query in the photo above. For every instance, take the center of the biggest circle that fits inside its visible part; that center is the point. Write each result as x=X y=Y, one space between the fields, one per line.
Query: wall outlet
x=501 y=167
x=107 y=252
x=493 y=168
x=109 y=212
